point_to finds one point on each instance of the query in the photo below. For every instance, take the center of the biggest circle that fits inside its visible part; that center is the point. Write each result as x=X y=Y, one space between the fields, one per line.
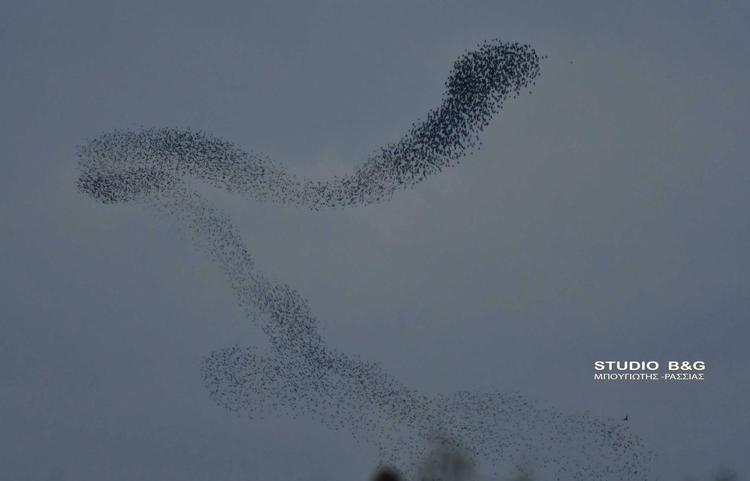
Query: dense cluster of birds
x=300 y=375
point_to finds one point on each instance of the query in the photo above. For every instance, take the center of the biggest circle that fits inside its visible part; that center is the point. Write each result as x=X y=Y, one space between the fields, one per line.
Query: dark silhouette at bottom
x=386 y=474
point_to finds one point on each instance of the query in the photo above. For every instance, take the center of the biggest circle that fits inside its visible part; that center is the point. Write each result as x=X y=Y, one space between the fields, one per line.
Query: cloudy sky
x=605 y=218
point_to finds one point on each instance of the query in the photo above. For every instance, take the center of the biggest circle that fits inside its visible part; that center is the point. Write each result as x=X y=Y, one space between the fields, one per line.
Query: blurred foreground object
x=387 y=474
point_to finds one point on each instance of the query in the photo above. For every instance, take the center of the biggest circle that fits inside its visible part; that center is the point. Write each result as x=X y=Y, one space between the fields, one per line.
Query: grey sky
x=602 y=219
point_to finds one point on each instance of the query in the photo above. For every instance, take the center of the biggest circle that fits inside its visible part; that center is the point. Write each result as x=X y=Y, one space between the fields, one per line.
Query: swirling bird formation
x=300 y=375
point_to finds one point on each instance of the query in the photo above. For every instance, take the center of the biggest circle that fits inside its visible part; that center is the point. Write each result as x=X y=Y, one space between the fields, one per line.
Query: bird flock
x=299 y=375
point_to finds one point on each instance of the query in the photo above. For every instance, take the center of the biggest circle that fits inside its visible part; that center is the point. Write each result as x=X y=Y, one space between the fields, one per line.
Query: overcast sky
x=605 y=218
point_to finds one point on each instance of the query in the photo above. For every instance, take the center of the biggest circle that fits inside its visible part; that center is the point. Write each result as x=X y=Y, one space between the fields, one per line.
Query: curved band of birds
x=300 y=375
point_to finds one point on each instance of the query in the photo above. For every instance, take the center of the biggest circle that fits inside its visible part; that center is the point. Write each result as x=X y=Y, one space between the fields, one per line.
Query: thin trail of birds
x=299 y=375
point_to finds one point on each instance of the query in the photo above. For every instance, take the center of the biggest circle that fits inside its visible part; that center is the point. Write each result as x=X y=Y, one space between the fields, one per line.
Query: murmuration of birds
x=299 y=375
